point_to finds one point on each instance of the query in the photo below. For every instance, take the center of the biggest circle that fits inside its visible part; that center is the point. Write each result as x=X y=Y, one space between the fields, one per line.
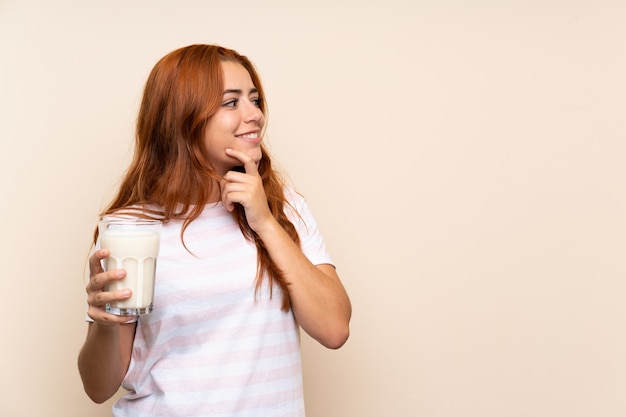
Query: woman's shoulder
x=294 y=198
x=142 y=211
x=291 y=194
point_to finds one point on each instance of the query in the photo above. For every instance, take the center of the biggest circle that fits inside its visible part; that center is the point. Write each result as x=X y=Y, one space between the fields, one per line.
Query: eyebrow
x=235 y=91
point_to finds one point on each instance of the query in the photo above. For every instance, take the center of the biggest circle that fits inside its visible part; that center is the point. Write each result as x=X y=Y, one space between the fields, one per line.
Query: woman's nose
x=253 y=113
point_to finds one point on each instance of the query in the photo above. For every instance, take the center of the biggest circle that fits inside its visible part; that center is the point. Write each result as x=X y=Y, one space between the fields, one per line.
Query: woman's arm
x=319 y=301
x=105 y=356
x=104 y=359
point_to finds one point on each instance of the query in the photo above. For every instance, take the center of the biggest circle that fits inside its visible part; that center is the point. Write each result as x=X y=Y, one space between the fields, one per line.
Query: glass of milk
x=133 y=245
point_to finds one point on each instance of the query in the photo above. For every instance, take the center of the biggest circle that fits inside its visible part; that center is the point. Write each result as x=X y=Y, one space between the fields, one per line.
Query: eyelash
x=233 y=103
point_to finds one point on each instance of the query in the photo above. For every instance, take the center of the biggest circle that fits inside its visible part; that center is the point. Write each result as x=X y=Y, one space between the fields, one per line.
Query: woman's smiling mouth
x=250 y=137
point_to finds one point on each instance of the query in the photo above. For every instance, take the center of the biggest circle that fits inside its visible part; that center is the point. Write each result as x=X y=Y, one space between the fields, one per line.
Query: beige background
x=465 y=160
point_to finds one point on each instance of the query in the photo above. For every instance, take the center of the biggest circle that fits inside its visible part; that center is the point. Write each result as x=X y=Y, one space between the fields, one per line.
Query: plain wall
x=465 y=161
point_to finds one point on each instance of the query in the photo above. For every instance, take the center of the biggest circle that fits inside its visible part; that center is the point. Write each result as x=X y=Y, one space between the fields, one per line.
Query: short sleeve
x=311 y=240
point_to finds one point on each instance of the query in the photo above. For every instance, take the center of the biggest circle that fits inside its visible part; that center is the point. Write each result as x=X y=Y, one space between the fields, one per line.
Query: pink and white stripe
x=210 y=348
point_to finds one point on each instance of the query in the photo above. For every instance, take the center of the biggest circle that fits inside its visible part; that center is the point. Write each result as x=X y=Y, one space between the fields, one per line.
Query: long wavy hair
x=170 y=169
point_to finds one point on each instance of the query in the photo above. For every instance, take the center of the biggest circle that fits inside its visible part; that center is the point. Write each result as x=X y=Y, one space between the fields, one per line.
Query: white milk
x=135 y=251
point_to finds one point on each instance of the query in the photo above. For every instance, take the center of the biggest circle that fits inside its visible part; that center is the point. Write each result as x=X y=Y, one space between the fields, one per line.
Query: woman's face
x=238 y=123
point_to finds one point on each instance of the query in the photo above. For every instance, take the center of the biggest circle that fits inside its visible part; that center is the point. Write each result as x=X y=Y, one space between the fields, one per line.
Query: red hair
x=169 y=169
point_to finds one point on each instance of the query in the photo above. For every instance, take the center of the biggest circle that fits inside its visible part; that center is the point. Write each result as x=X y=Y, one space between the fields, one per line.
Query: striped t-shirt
x=210 y=347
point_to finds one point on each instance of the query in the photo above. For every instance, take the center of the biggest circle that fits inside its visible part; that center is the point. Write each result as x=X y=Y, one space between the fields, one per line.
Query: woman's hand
x=97 y=296
x=104 y=359
x=247 y=190
x=319 y=301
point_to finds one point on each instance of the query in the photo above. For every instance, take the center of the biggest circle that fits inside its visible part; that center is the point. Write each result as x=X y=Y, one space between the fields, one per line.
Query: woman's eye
x=257 y=101
x=230 y=103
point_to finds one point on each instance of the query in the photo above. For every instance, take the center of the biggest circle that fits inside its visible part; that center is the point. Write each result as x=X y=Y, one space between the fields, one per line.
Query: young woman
x=242 y=265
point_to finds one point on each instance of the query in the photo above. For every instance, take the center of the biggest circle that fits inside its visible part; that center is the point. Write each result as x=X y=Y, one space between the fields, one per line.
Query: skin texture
x=237 y=124
x=232 y=138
